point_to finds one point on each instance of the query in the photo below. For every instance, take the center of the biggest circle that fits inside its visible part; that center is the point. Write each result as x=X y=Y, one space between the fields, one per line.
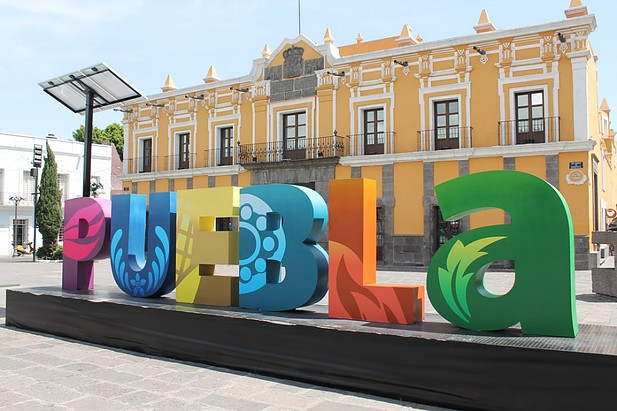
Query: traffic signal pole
x=37 y=159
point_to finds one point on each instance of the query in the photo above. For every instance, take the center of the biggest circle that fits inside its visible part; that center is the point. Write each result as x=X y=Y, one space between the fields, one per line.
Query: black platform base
x=432 y=362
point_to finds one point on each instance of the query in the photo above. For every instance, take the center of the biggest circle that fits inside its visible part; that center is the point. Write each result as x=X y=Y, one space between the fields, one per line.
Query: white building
x=16 y=153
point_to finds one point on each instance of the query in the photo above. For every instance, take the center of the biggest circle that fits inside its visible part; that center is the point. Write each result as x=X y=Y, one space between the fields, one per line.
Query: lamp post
x=16 y=200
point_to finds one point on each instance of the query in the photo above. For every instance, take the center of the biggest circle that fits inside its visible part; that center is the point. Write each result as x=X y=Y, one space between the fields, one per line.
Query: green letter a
x=540 y=241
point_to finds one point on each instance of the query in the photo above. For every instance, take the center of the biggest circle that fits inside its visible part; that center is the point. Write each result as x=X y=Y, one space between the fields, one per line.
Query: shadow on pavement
x=596 y=298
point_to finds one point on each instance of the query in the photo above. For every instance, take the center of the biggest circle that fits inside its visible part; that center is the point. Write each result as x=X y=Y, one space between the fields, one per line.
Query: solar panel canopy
x=109 y=88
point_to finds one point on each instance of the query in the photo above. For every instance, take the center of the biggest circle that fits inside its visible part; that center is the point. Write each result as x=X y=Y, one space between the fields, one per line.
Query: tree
x=113 y=133
x=49 y=206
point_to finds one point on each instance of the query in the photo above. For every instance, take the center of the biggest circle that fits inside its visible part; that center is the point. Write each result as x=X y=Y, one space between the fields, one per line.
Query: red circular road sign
x=611 y=213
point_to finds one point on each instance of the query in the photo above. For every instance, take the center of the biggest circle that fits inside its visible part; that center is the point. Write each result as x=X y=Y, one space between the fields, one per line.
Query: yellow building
x=408 y=113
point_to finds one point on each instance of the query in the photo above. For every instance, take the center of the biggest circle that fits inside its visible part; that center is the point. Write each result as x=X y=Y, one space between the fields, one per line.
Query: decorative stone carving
x=580 y=40
x=547 y=50
x=261 y=89
x=293 y=66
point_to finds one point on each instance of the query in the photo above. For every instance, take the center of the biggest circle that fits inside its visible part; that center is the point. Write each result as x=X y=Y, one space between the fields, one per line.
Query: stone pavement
x=39 y=371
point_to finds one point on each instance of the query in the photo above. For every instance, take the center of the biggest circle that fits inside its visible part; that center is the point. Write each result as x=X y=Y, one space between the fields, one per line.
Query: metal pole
x=88 y=142
x=299 y=30
x=36 y=196
x=15 y=229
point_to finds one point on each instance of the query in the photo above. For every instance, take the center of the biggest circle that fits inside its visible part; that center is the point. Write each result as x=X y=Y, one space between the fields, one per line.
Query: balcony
x=445 y=138
x=220 y=157
x=322 y=147
x=180 y=161
x=374 y=143
x=140 y=164
x=537 y=130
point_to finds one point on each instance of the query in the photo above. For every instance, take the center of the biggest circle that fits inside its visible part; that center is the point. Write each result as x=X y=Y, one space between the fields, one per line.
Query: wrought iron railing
x=445 y=138
x=537 y=130
x=301 y=149
x=180 y=161
x=374 y=143
x=220 y=157
x=140 y=164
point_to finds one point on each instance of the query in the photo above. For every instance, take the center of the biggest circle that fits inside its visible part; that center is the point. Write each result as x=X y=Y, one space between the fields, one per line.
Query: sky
x=145 y=40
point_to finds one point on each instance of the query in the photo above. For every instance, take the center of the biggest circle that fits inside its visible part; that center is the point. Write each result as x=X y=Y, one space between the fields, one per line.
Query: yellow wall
x=126 y=187
x=200 y=182
x=486 y=217
x=161 y=185
x=408 y=211
x=535 y=165
x=244 y=179
x=444 y=171
x=179 y=184
x=578 y=197
x=374 y=173
x=223 y=181
x=342 y=172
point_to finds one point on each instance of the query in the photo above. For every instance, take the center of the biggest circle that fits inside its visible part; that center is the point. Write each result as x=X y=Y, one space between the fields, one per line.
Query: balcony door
x=294 y=136
x=530 y=121
x=183 y=151
x=226 y=138
x=447 y=130
x=374 y=131
x=146 y=159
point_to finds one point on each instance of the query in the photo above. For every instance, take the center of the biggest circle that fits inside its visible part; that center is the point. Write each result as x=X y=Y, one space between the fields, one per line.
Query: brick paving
x=43 y=372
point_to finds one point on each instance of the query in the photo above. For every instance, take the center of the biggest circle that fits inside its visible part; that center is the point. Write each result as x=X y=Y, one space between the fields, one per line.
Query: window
x=28 y=188
x=226 y=139
x=445 y=230
x=146 y=158
x=63 y=184
x=20 y=230
x=183 y=151
x=530 y=121
x=294 y=136
x=380 y=233
x=61 y=233
x=446 y=125
x=1 y=186
x=374 y=131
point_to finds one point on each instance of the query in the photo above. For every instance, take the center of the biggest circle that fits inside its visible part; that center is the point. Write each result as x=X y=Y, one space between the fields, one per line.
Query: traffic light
x=38 y=155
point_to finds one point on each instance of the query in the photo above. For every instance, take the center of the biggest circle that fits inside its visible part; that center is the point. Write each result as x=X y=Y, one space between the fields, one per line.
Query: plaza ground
x=41 y=371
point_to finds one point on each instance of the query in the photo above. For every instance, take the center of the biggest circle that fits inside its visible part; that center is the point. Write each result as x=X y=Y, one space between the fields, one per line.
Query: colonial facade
x=16 y=153
x=405 y=112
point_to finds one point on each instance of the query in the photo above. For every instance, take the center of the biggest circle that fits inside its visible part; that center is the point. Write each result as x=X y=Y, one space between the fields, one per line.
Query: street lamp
x=16 y=200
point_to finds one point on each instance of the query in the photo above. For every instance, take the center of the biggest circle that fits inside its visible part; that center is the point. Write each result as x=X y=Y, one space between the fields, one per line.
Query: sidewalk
x=41 y=371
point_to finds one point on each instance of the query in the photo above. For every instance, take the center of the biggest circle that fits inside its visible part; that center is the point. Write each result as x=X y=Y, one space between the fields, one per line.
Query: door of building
x=530 y=121
x=374 y=132
x=226 y=145
x=446 y=125
x=444 y=230
x=183 y=151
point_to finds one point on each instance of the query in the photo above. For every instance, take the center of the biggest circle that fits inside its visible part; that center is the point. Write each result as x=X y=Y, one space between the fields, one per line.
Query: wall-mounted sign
x=576 y=177
x=575 y=164
x=611 y=213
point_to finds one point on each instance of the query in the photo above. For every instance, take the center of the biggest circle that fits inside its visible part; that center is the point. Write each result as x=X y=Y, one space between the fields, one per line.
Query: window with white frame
x=294 y=135
x=63 y=184
x=226 y=145
x=1 y=186
x=447 y=124
x=145 y=162
x=530 y=118
x=373 y=125
x=27 y=188
x=183 y=150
